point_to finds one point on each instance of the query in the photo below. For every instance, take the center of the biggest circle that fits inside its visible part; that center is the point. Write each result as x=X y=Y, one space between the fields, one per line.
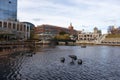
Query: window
x=17 y=26
x=5 y=24
x=9 y=25
x=14 y=25
x=0 y=24
x=27 y=28
x=24 y=27
x=20 y=27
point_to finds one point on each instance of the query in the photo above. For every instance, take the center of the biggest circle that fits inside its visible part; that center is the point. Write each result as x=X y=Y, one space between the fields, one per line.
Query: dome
x=95 y=28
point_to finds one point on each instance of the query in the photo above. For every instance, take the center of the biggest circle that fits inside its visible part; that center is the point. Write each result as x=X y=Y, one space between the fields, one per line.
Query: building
x=89 y=37
x=8 y=10
x=32 y=27
x=50 y=31
x=10 y=30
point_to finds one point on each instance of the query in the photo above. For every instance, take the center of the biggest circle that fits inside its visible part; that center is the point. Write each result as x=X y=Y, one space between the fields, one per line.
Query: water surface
x=99 y=63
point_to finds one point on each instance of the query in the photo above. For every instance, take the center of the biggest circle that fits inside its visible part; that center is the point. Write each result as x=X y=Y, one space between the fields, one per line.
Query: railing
x=101 y=38
x=11 y=47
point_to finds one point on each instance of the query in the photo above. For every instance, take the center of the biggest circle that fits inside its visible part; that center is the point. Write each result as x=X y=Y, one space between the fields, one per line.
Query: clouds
x=99 y=13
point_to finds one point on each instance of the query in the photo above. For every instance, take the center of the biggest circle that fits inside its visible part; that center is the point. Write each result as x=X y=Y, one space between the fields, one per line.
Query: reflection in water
x=99 y=63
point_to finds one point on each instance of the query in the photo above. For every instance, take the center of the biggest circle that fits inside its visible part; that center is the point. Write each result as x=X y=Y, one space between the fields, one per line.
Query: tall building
x=10 y=28
x=8 y=10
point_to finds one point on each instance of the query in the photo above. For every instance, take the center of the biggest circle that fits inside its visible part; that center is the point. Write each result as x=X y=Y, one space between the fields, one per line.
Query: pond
x=99 y=63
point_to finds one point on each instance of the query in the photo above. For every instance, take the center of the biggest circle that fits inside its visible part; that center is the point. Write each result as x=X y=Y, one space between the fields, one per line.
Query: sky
x=83 y=14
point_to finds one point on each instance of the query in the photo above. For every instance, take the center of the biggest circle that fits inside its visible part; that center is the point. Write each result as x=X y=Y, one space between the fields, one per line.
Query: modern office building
x=10 y=28
x=8 y=10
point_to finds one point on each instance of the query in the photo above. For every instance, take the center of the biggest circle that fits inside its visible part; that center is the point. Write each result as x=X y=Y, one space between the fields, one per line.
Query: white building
x=16 y=30
x=89 y=37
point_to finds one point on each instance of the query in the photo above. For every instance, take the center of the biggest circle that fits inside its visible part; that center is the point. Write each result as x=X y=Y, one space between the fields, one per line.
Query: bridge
x=64 y=42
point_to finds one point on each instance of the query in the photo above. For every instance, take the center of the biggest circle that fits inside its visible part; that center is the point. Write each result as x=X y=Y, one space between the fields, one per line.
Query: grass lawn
x=113 y=36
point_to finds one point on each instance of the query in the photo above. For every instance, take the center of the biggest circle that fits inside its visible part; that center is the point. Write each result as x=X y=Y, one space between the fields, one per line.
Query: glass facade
x=8 y=10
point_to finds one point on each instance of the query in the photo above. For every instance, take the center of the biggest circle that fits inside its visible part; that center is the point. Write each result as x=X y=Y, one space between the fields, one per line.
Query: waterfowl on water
x=79 y=61
x=62 y=59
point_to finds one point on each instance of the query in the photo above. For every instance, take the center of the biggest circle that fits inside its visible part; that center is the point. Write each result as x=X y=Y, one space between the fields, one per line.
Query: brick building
x=51 y=30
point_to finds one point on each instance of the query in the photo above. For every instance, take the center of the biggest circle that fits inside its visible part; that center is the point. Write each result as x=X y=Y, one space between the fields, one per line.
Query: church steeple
x=70 y=27
x=70 y=24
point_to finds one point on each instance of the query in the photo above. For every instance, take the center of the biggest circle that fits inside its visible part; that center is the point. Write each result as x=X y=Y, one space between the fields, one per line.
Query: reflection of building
x=14 y=30
x=88 y=37
x=50 y=30
x=8 y=10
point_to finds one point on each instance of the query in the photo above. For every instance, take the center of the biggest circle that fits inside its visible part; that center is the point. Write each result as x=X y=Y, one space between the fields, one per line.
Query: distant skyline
x=83 y=14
